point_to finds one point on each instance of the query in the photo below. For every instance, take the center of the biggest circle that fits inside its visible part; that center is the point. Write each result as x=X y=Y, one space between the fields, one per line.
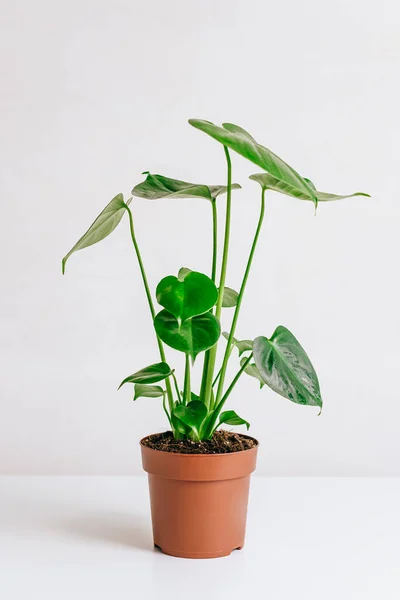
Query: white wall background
x=93 y=93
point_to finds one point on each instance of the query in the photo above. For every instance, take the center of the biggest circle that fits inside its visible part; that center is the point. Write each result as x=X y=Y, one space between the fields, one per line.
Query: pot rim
x=205 y=455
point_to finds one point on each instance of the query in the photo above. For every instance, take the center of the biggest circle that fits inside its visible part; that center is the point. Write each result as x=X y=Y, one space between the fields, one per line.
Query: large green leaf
x=105 y=223
x=241 y=345
x=243 y=143
x=251 y=369
x=158 y=186
x=191 y=415
x=151 y=374
x=188 y=296
x=269 y=182
x=286 y=368
x=192 y=336
x=147 y=391
x=229 y=417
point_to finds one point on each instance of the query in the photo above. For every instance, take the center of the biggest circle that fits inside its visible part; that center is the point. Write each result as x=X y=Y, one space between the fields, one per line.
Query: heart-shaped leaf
x=286 y=368
x=251 y=369
x=243 y=143
x=229 y=417
x=105 y=223
x=191 y=415
x=151 y=374
x=229 y=298
x=192 y=336
x=269 y=182
x=158 y=186
x=241 y=345
x=192 y=295
x=147 y=391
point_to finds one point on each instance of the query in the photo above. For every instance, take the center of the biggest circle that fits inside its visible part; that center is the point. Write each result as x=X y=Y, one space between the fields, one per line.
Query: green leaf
x=243 y=143
x=191 y=415
x=241 y=345
x=286 y=368
x=192 y=336
x=229 y=417
x=269 y=182
x=191 y=295
x=251 y=369
x=157 y=186
x=151 y=374
x=230 y=297
x=178 y=425
x=147 y=391
x=105 y=223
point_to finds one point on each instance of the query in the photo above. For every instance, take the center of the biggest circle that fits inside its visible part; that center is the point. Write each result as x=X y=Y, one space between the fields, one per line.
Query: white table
x=84 y=538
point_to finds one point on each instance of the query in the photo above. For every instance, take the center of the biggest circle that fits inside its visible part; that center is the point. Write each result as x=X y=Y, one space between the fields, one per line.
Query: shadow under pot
x=199 y=501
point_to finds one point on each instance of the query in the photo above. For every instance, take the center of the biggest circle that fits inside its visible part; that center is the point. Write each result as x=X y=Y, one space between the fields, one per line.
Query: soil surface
x=222 y=442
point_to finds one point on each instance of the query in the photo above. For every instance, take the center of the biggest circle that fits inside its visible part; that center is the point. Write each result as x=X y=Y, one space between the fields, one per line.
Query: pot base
x=205 y=555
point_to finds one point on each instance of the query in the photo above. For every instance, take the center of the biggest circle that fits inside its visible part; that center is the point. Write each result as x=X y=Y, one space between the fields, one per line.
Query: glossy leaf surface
x=147 y=391
x=269 y=182
x=191 y=415
x=243 y=143
x=105 y=224
x=251 y=369
x=230 y=298
x=192 y=336
x=158 y=186
x=229 y=417
x=191 y=295
x=241 y=345
x=151 y=374
x=286 y=368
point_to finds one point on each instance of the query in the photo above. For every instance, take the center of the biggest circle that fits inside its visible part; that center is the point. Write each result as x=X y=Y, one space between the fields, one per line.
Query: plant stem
x=176 y=387
x=150 y=302
x=215 y=239
x=239 y=301
x=212 y=425
x=213 y=350
x=187 y=392
x=213 y=276
x=234 y=382
x=166 y=412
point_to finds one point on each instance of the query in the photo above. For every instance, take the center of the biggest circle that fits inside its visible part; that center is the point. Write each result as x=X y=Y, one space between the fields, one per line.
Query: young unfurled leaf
x=191 y=415
x=229 y=417
x=230 y=297
x=183 y=271
x=178 y=425
x=151 y=374
x=251 y=369
x=147 y=391
x=243 y=143
x=269 y=182
x=192 y=336
x=158 y=186
x=191 y=295
x=105 y=223
x=286 y=368
x=241 y=345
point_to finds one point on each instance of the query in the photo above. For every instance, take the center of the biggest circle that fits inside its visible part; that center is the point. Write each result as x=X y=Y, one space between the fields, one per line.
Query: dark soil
x=222 y=442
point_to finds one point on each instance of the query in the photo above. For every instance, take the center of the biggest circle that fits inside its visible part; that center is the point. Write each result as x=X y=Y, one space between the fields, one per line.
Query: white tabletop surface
x=89 y=538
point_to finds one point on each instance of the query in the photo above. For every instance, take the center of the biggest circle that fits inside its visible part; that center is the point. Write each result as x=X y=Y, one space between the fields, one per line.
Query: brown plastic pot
x=199 y=501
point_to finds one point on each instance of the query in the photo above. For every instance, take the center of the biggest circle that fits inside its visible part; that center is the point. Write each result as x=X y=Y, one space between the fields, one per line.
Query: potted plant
x=198 y=473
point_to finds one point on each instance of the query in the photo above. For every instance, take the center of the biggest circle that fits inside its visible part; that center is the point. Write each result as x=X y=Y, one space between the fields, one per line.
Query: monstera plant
x=192 y=304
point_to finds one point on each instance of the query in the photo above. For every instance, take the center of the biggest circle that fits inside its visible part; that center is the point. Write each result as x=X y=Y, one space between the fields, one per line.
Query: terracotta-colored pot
x=199 y=501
